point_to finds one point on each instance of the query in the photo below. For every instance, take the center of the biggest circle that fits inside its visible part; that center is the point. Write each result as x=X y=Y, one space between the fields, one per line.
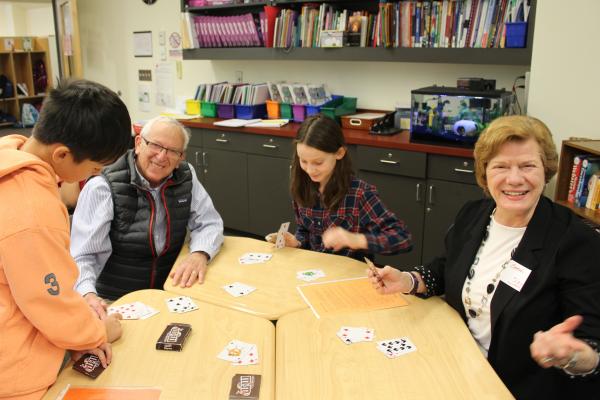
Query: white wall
x=108 y=58
x=21 y=18
x=565 y=82
x=7 y=23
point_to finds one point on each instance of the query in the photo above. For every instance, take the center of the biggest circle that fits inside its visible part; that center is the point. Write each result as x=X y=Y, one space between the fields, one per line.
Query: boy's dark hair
x=321 y=133
x=88 y=118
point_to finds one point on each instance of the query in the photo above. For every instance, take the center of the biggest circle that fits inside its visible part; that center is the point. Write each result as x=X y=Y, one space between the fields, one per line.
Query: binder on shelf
x=271 y=13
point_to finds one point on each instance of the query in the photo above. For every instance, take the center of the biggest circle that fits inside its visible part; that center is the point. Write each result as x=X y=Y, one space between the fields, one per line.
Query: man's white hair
x=169 y=121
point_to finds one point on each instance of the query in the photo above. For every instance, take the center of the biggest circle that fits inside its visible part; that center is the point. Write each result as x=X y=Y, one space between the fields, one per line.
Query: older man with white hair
x=130 y=222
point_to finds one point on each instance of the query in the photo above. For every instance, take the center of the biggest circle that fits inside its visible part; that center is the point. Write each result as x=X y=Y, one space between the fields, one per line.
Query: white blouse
x=497 y=250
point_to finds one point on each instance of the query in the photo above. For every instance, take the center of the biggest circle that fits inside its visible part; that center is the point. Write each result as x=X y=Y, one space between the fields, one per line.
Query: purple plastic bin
x=299 y=112
x=225 y=111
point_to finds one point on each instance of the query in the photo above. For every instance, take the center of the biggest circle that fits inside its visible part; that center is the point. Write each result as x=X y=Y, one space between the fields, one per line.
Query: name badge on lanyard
x=515 y=275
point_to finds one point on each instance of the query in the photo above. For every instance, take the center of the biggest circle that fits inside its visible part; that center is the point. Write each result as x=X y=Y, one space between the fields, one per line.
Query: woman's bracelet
x=414 y=283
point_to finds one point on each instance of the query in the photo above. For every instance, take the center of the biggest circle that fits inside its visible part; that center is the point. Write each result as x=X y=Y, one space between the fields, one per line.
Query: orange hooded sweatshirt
x=40 y=314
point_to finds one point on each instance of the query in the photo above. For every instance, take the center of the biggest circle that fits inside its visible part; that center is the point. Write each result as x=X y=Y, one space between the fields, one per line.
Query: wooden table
x=193 y=373
x=313 y=363
x=275 y=280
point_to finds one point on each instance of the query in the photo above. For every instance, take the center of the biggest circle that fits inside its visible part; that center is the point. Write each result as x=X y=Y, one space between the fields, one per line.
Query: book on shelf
x=574 y=181
x=589 y=166
x=593 y=192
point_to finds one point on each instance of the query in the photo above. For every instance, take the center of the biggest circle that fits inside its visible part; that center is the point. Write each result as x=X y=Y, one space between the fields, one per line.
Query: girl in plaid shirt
x=335 y=211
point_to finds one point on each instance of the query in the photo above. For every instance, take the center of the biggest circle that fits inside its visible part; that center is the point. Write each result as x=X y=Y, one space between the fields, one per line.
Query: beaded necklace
x=491 y=287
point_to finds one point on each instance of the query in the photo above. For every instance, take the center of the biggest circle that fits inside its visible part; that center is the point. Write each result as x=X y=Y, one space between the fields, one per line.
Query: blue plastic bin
x=251 y=112
x=516 y=34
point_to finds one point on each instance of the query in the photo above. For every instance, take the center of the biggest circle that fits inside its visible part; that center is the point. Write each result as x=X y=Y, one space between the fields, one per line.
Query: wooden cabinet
x=269 y=199
x=424 y=190
x=18 y=67
x=246 y=176
x=571 y=148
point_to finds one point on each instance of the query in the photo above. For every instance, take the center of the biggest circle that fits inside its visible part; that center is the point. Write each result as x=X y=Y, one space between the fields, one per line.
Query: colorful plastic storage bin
x=339 y=106
x=299 y=112
x=208 y=110
x=251 y=112
x=516 y=34
x=192 y=107
x=286 y=111
x=225 y=111
x=273 y=109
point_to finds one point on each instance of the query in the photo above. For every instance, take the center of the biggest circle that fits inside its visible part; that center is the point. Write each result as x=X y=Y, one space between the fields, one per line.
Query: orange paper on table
x=347 y=295
x=100 y=393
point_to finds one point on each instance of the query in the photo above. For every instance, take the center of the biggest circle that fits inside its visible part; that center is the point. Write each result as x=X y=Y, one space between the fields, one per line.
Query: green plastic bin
x=208 y=110
x=338 y=107
x=285 y=110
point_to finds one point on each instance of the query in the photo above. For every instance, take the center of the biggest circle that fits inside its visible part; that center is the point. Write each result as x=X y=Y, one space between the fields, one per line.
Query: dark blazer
x=564 y=257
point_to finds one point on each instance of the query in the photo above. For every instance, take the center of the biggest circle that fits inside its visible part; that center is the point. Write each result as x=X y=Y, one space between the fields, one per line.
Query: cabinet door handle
x=466 y=171
x=431 y=194
x=418 y=197
x=388 y=162
x=204 y=163
x=269 y=146
x=196 y=159
x=222 y=140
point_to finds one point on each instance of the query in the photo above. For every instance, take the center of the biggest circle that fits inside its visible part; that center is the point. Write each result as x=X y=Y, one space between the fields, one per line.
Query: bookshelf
x=482 y=56
x=571 y=148
x=17 y=65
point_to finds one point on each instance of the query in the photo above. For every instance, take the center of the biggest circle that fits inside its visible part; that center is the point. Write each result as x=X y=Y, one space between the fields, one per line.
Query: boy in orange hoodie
x=82 y=127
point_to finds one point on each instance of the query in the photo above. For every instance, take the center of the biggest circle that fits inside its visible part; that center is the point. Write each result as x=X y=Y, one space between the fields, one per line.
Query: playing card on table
x=181 y=304
x=280 y=240
x=239 y=353
x=393 y=348
x=310 y=274
x=127 y=311
x=350 y=334
x=145 y=310
x=255 y=258
x=237 y=289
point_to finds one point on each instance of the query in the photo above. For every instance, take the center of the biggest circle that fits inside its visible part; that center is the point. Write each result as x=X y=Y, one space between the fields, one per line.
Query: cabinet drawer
x=389 y=161
x=233 y=141
x=455 y=169
x=196 y=137
x=270 y=145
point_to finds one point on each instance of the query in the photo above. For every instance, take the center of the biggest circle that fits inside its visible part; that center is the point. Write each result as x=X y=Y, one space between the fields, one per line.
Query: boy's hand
x=113 y=327
x=104 y=353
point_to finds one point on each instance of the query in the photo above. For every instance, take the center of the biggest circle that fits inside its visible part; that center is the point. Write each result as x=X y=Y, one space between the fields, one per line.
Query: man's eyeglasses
x=157 y=148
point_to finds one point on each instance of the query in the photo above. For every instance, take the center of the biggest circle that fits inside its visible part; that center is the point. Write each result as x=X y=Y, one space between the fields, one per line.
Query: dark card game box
x=245 y=386
x=173 y=337
x=89 y=364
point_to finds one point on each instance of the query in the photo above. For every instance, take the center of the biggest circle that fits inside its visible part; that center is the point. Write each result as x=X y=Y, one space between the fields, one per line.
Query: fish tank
x=449 y=115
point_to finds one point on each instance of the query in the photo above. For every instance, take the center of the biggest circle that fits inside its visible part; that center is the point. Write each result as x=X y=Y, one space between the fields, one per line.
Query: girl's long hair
x=321 y=133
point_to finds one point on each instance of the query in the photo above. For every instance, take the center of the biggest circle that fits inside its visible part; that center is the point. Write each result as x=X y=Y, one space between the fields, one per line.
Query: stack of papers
x=268 y=123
